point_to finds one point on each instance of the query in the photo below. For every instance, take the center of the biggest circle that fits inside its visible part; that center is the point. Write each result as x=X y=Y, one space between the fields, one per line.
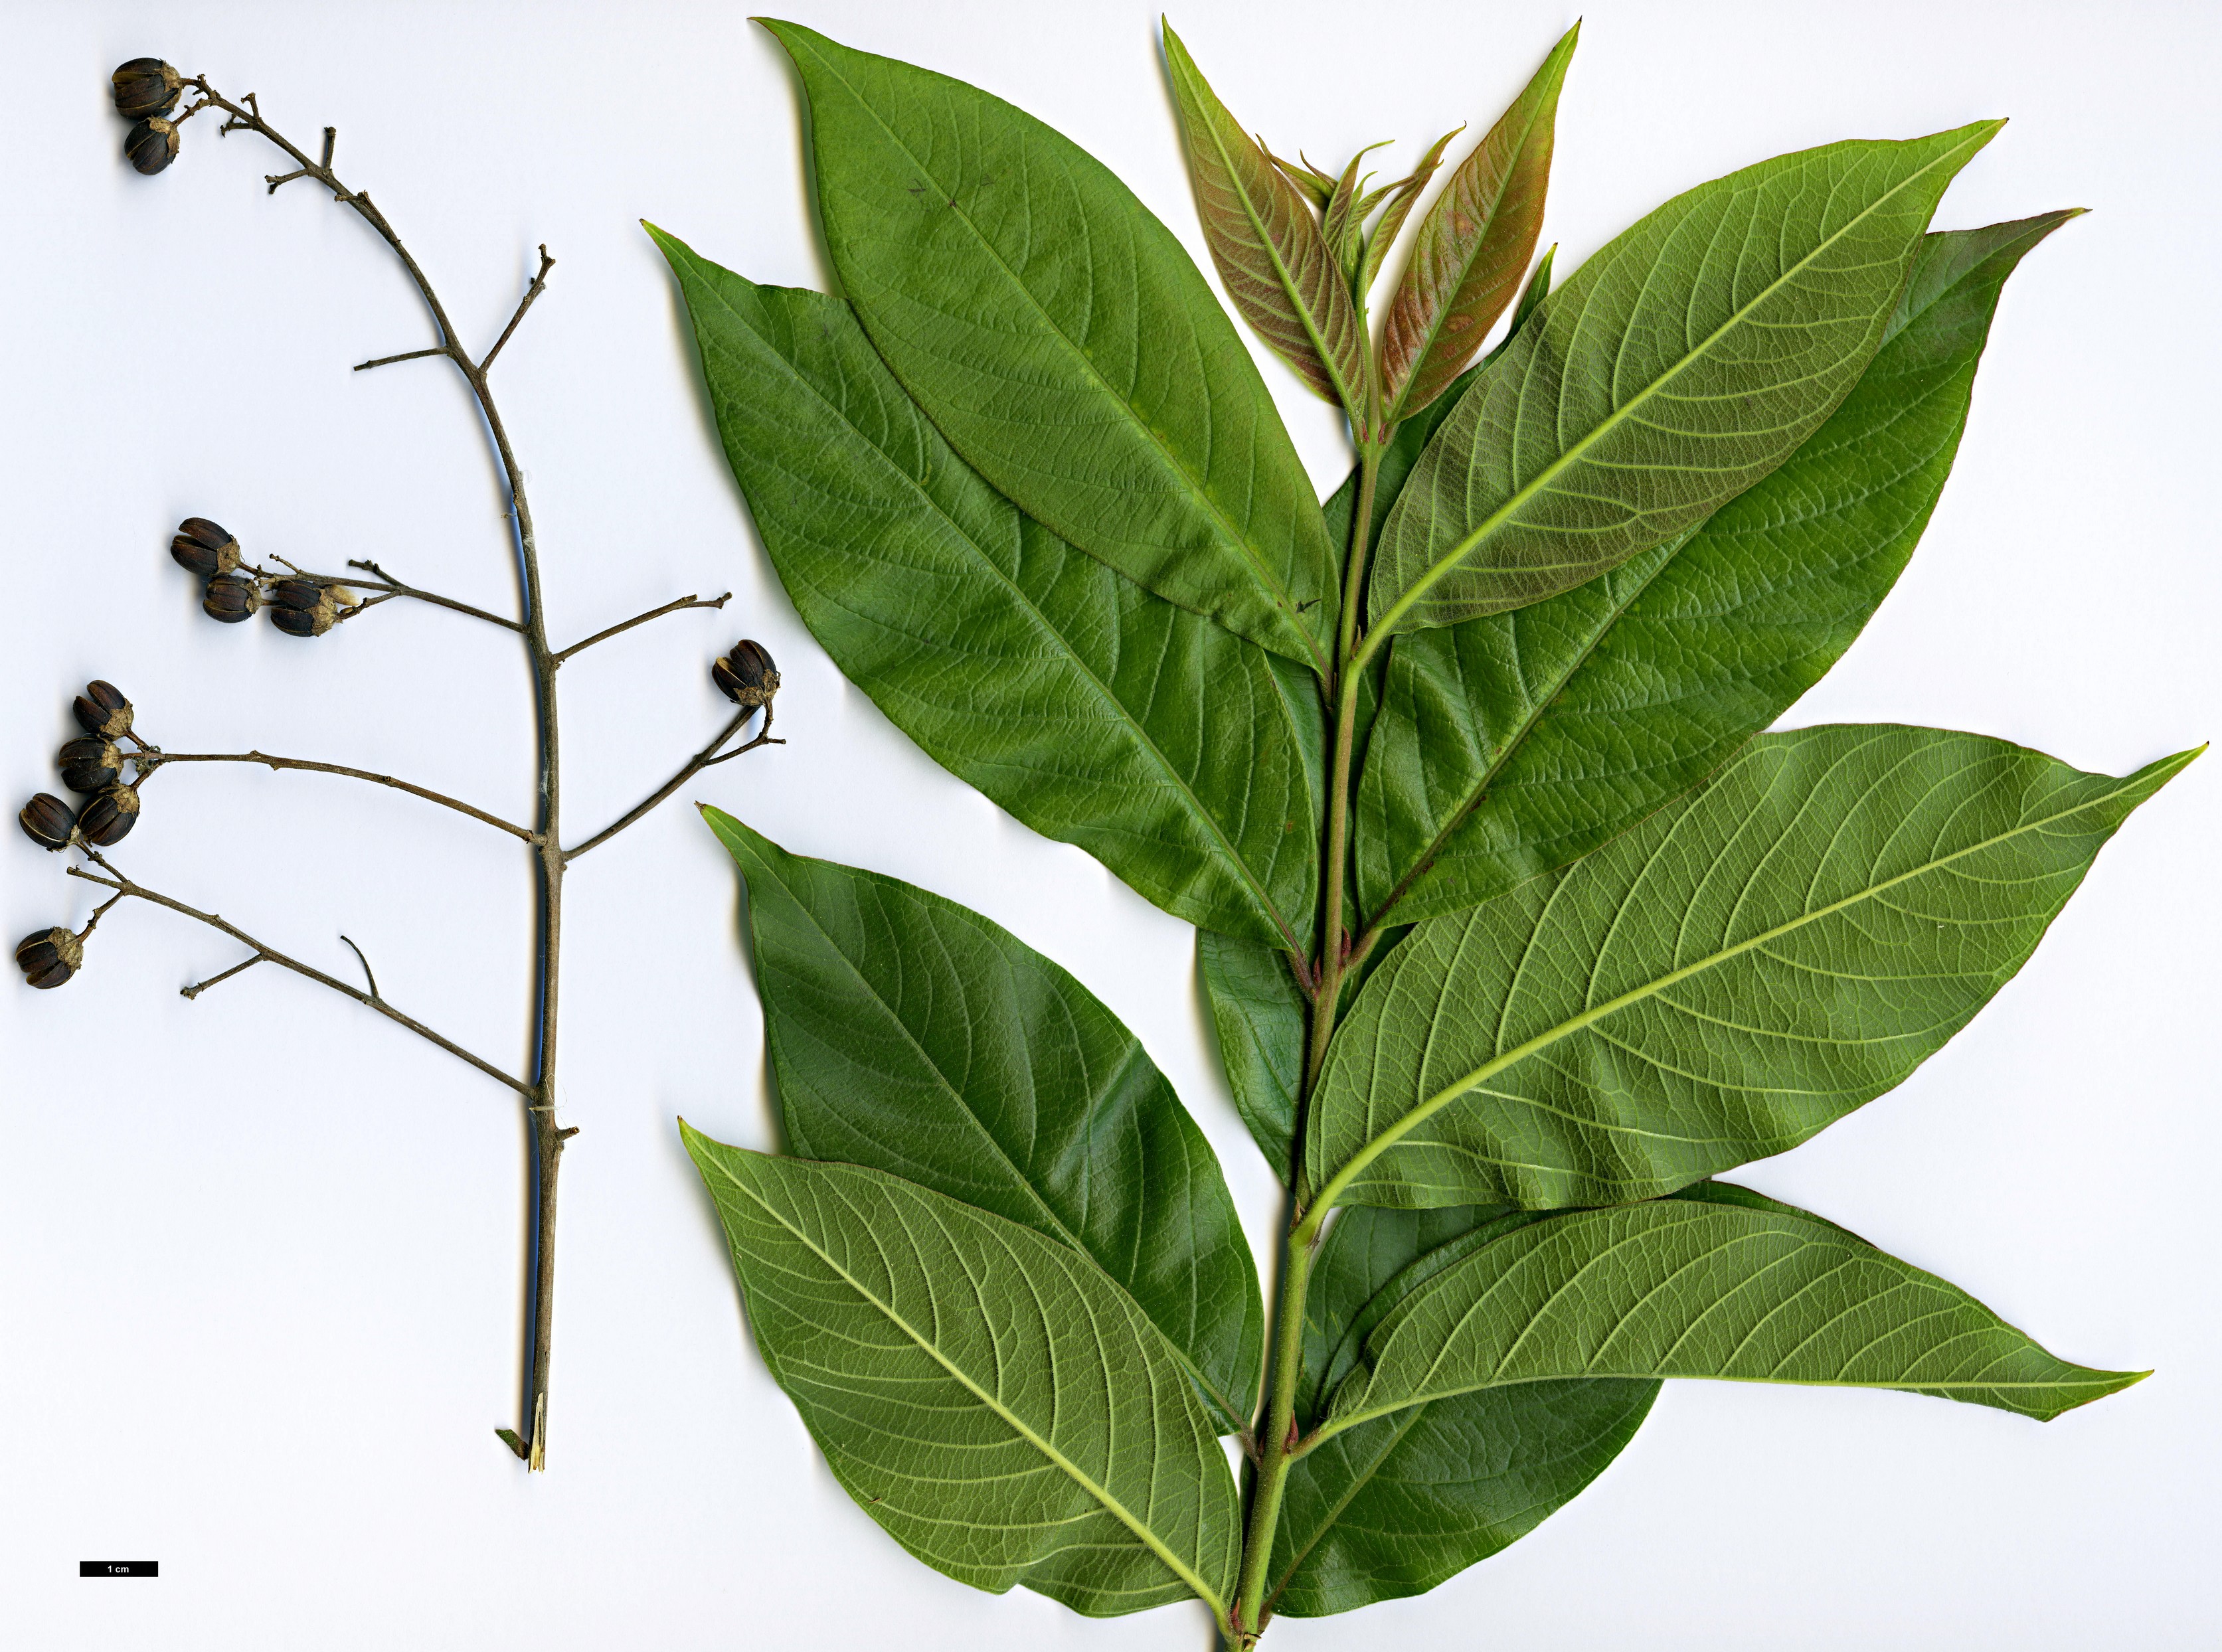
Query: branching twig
x=693 y=766
x=220 y=978
x=673 y=606
x=385 y=582
x=123 y=885
x=149 y=762
x=351 y=946
x=388 y=360
x=550 y=860
x=539 y=285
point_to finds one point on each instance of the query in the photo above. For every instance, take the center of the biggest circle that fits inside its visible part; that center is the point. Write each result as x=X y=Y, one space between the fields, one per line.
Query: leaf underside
x=1474 y=245
x=1394 y=1506
x=1683 y=362
x=1001 y=1408
x=1061 y=339
x=916 y=1037
x=1748 y=966
x=1680 y=1288
x=1272 y=256
x=1516 y=742
x=1178 y=755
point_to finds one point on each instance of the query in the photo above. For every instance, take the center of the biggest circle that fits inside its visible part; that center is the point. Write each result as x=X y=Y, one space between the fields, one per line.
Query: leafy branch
x=1508 y=909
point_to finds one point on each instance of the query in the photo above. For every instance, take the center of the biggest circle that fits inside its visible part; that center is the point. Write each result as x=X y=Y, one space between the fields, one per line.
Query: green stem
x=1275 y=1447
x=1276 y=1437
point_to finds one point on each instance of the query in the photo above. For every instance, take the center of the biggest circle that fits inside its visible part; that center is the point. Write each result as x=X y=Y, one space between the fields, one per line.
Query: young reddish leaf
x=1270 y=250
x=1473 y=246
x=1318 y=186
x=1348 y=209
x=1404 y=191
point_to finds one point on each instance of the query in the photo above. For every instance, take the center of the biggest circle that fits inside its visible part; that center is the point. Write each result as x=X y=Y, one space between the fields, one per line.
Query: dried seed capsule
x=89 y=762
x=302 y=607
x=746 y=675
x=202 y=548
x=49 y=957
x=47 y=821
x=103 y=710
x=230 y=598
x=151 y=145
x=108 y=819
x=145 y=86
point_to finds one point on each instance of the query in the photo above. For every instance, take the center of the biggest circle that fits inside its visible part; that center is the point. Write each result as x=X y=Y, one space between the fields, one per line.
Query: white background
x=260 y=1254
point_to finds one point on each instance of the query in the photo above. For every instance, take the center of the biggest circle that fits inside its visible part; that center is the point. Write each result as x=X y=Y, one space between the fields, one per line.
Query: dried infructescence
x=112 y=761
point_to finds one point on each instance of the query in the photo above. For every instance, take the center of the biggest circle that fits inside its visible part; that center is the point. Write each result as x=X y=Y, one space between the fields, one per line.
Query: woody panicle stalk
x=307 y=604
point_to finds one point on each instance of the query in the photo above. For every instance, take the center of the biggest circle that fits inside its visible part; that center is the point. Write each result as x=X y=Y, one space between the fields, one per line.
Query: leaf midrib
x=1139 y=1528
x=1550 y=1036
x=1282 y=598
x=1612 y=421
x=2103 y=1381
x=1149 y=745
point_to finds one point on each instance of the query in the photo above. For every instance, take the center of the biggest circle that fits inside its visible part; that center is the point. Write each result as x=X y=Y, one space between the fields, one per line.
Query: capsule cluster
x=231 y=590
x=93 y=766
x=146 y=92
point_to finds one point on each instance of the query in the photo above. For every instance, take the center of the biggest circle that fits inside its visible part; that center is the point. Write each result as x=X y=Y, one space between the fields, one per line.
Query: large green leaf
x=1680 y=1288
x=1745 y=967
x=1004 y=1410
x=1266 y=240
x=1394 y=1506
x=914 y=1036
x=1063 y=341
x=1678 y=367
x=1182 y=757
x=1515 y=742
x=1473 y=246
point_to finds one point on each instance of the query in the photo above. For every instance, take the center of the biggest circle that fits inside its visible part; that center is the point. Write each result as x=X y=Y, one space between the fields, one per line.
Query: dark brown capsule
x=201 y=546
x=49 y=957
x=145 y=86
x=230 y=598
x=103 y=710
x=47 y=821
x=89 y=762
x=151 y=145
x=746 y=675
x=302 y=607
x=108 y=818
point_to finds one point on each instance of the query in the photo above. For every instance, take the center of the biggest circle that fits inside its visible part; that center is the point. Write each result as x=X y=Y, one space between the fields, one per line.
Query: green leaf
x=1394 y=1506
x=1682 y=363
x=1473 y=246
x=1257 y=1011
x=1744 y=967
x=914 y=1036
x=1516 y=742
x=1064 y=342
x=1004 y=1410
x=1181 y=757
x=1271 y=254
x=1675 y=1288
